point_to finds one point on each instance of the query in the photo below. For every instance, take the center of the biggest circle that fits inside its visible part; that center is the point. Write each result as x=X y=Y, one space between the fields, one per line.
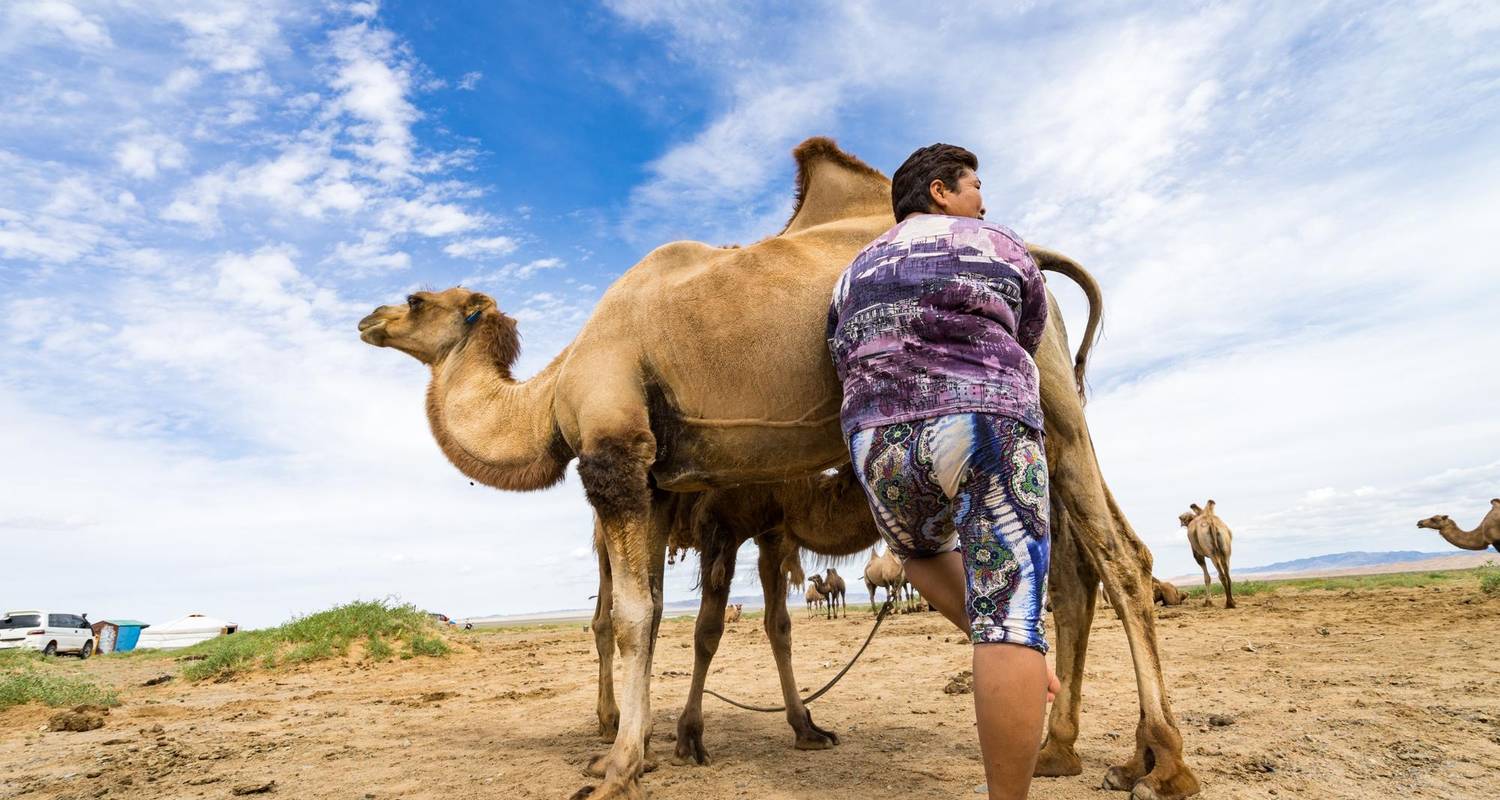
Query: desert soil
x=1367 y=693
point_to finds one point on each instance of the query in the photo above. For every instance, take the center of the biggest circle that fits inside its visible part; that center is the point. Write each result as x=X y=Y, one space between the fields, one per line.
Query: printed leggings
x=976 y=483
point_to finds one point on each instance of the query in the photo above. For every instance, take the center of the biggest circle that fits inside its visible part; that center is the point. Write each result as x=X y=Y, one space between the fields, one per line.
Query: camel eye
x=413 y=302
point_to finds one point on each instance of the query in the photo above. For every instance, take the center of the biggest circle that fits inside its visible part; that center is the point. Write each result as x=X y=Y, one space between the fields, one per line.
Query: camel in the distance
x=837 y=589
x=1485 y=536
x=815 y=600
x=704 y=367
x=820 y=585
x=734 y=613
x=884 y=570
x=1165 y=593
x=1211 y=540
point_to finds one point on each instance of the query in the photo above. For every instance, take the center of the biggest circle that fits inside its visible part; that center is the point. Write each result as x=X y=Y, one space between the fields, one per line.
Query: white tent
x=189 y=630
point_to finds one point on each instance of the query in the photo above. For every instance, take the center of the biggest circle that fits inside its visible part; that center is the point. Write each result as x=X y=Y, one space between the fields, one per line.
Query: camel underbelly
x=694 y=459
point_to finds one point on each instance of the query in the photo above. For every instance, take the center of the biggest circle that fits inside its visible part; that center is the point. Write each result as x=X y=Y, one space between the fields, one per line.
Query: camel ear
x=477 y=305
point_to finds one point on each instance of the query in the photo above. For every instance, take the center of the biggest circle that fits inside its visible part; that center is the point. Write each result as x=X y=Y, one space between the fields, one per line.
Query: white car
x=47 y=631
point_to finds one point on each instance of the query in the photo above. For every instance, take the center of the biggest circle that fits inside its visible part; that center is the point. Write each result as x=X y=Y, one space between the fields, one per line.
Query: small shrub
x=1489 y=578
x=29 y=684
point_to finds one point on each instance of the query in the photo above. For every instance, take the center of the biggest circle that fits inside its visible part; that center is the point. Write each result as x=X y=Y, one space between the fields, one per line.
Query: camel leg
x=1157 y=770
x=717 y=557
x=604 y=643
x=635 y=537
x=1208 y=583
x=1073 y=586
x=779 y=630
x=1221 y=565
x=871 y=587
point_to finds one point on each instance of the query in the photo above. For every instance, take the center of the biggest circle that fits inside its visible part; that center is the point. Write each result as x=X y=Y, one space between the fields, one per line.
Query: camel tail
x=1067 y=267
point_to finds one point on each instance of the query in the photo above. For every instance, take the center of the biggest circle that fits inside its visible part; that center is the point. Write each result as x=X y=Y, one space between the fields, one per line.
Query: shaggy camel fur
x=1486 y=535
x=884 y=570
x=1165 y=593
x=1211 y=541
x=704 y=367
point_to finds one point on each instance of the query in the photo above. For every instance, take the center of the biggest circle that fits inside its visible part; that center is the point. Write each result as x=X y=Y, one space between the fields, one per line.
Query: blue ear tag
x=469 y=320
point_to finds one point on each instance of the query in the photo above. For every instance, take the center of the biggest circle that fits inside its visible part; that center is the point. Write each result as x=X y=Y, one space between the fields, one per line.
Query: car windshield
x=21 y=621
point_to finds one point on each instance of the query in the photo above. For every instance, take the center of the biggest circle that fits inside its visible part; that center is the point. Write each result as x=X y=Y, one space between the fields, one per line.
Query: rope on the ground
x=879 y=618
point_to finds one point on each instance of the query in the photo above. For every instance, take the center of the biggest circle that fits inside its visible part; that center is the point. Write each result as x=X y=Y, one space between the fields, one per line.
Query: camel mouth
x=372 y=330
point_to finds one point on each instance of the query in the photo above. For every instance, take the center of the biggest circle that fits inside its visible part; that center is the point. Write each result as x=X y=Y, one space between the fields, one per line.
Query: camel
x=705 y=367
x=820 y=585
x=1165 y=593
x=734 y=613
x=1210 y=539
x=815 y=600
x=1485 y=536
x=836 y=591
x=884 y=570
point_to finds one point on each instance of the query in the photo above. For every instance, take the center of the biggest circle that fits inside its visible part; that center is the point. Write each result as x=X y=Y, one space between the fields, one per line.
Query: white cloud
x=480 y=248
x=469 y=81
x=373 y=83
x=231 y=37
x=143 y=155
x=54 y=19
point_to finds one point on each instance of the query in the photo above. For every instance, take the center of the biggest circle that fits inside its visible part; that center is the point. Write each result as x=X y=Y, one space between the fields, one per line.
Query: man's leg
x=940 y=579
x=1010 y=682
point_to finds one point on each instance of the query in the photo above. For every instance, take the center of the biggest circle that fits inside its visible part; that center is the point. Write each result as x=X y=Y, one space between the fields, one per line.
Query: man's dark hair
x=909 y=186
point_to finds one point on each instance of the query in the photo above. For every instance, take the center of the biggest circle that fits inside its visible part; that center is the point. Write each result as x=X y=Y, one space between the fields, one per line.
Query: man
x=932 y=329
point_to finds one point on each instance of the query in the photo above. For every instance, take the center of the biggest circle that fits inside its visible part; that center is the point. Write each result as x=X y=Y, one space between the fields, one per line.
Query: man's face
x=965 y=202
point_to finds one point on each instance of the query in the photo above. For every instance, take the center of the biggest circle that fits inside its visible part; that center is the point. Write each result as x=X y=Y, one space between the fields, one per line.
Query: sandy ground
x=1388 y=693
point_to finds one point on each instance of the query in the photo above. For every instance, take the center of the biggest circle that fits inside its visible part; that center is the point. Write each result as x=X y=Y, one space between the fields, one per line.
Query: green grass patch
x=1489 y=578
x=1385 y=580
x=27 y=683
x=383 y=630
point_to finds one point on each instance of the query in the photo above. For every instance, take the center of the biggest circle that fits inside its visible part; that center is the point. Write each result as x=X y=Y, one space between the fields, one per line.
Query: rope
x=819 y=693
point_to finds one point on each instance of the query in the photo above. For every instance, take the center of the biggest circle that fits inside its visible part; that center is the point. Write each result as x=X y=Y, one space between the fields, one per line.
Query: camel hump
x=834 y=185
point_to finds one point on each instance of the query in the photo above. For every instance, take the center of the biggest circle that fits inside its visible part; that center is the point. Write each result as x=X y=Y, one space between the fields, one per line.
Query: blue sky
x=1289 y=206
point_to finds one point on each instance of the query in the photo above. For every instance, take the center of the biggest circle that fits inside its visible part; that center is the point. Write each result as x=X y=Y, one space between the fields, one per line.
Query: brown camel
x=1484 y=536
x=1165 y=593
x=815 y=599
x=734 y=613
x=705 y=367
x=884 y=570
x=1211 y=541
x=836 y=591
x=820 y=585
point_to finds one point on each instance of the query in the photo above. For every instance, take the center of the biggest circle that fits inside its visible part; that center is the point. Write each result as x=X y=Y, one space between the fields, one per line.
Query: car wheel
x=50 y=649
x=88 y=650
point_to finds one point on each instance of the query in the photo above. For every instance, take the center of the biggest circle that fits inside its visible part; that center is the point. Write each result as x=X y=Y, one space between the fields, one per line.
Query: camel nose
x=372 y=319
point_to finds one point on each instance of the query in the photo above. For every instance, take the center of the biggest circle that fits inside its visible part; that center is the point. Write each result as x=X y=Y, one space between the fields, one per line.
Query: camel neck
x=1467 y=540
x=496 y=430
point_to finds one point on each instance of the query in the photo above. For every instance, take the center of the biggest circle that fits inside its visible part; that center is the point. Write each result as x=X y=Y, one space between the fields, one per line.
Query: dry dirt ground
x=1316 y=694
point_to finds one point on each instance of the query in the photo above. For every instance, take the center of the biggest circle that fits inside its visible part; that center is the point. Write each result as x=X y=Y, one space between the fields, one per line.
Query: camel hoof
x=597 y=768
x=611 y=790
x=609 y=730
x=827 y=741
x=1116 y=779
x=1230 y=604
x=1057 y=763
x=690 y=751
x=1144 y=792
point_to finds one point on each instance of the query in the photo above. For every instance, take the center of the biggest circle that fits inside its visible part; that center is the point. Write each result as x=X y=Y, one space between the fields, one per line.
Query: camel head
x=430 y=325
x=1435 y=522
x=1186 y=518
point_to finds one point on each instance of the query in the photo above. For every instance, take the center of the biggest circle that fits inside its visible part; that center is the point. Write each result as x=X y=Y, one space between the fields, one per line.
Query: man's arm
x=1033 y=322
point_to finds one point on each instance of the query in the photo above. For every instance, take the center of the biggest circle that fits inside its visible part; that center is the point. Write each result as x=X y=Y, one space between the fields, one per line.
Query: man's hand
x=1053 y=685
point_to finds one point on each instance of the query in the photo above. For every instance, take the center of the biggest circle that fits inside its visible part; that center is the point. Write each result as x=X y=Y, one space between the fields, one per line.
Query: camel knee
x=614 y=476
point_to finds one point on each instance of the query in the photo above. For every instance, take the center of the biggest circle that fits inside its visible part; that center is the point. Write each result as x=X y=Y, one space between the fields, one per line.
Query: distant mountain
x=1358 y=558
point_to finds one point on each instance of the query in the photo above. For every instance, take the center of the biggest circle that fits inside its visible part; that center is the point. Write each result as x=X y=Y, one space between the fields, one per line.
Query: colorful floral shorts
x=976 y=483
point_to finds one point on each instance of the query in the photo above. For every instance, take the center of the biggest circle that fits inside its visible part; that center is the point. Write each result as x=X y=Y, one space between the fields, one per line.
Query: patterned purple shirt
x=940 y=315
